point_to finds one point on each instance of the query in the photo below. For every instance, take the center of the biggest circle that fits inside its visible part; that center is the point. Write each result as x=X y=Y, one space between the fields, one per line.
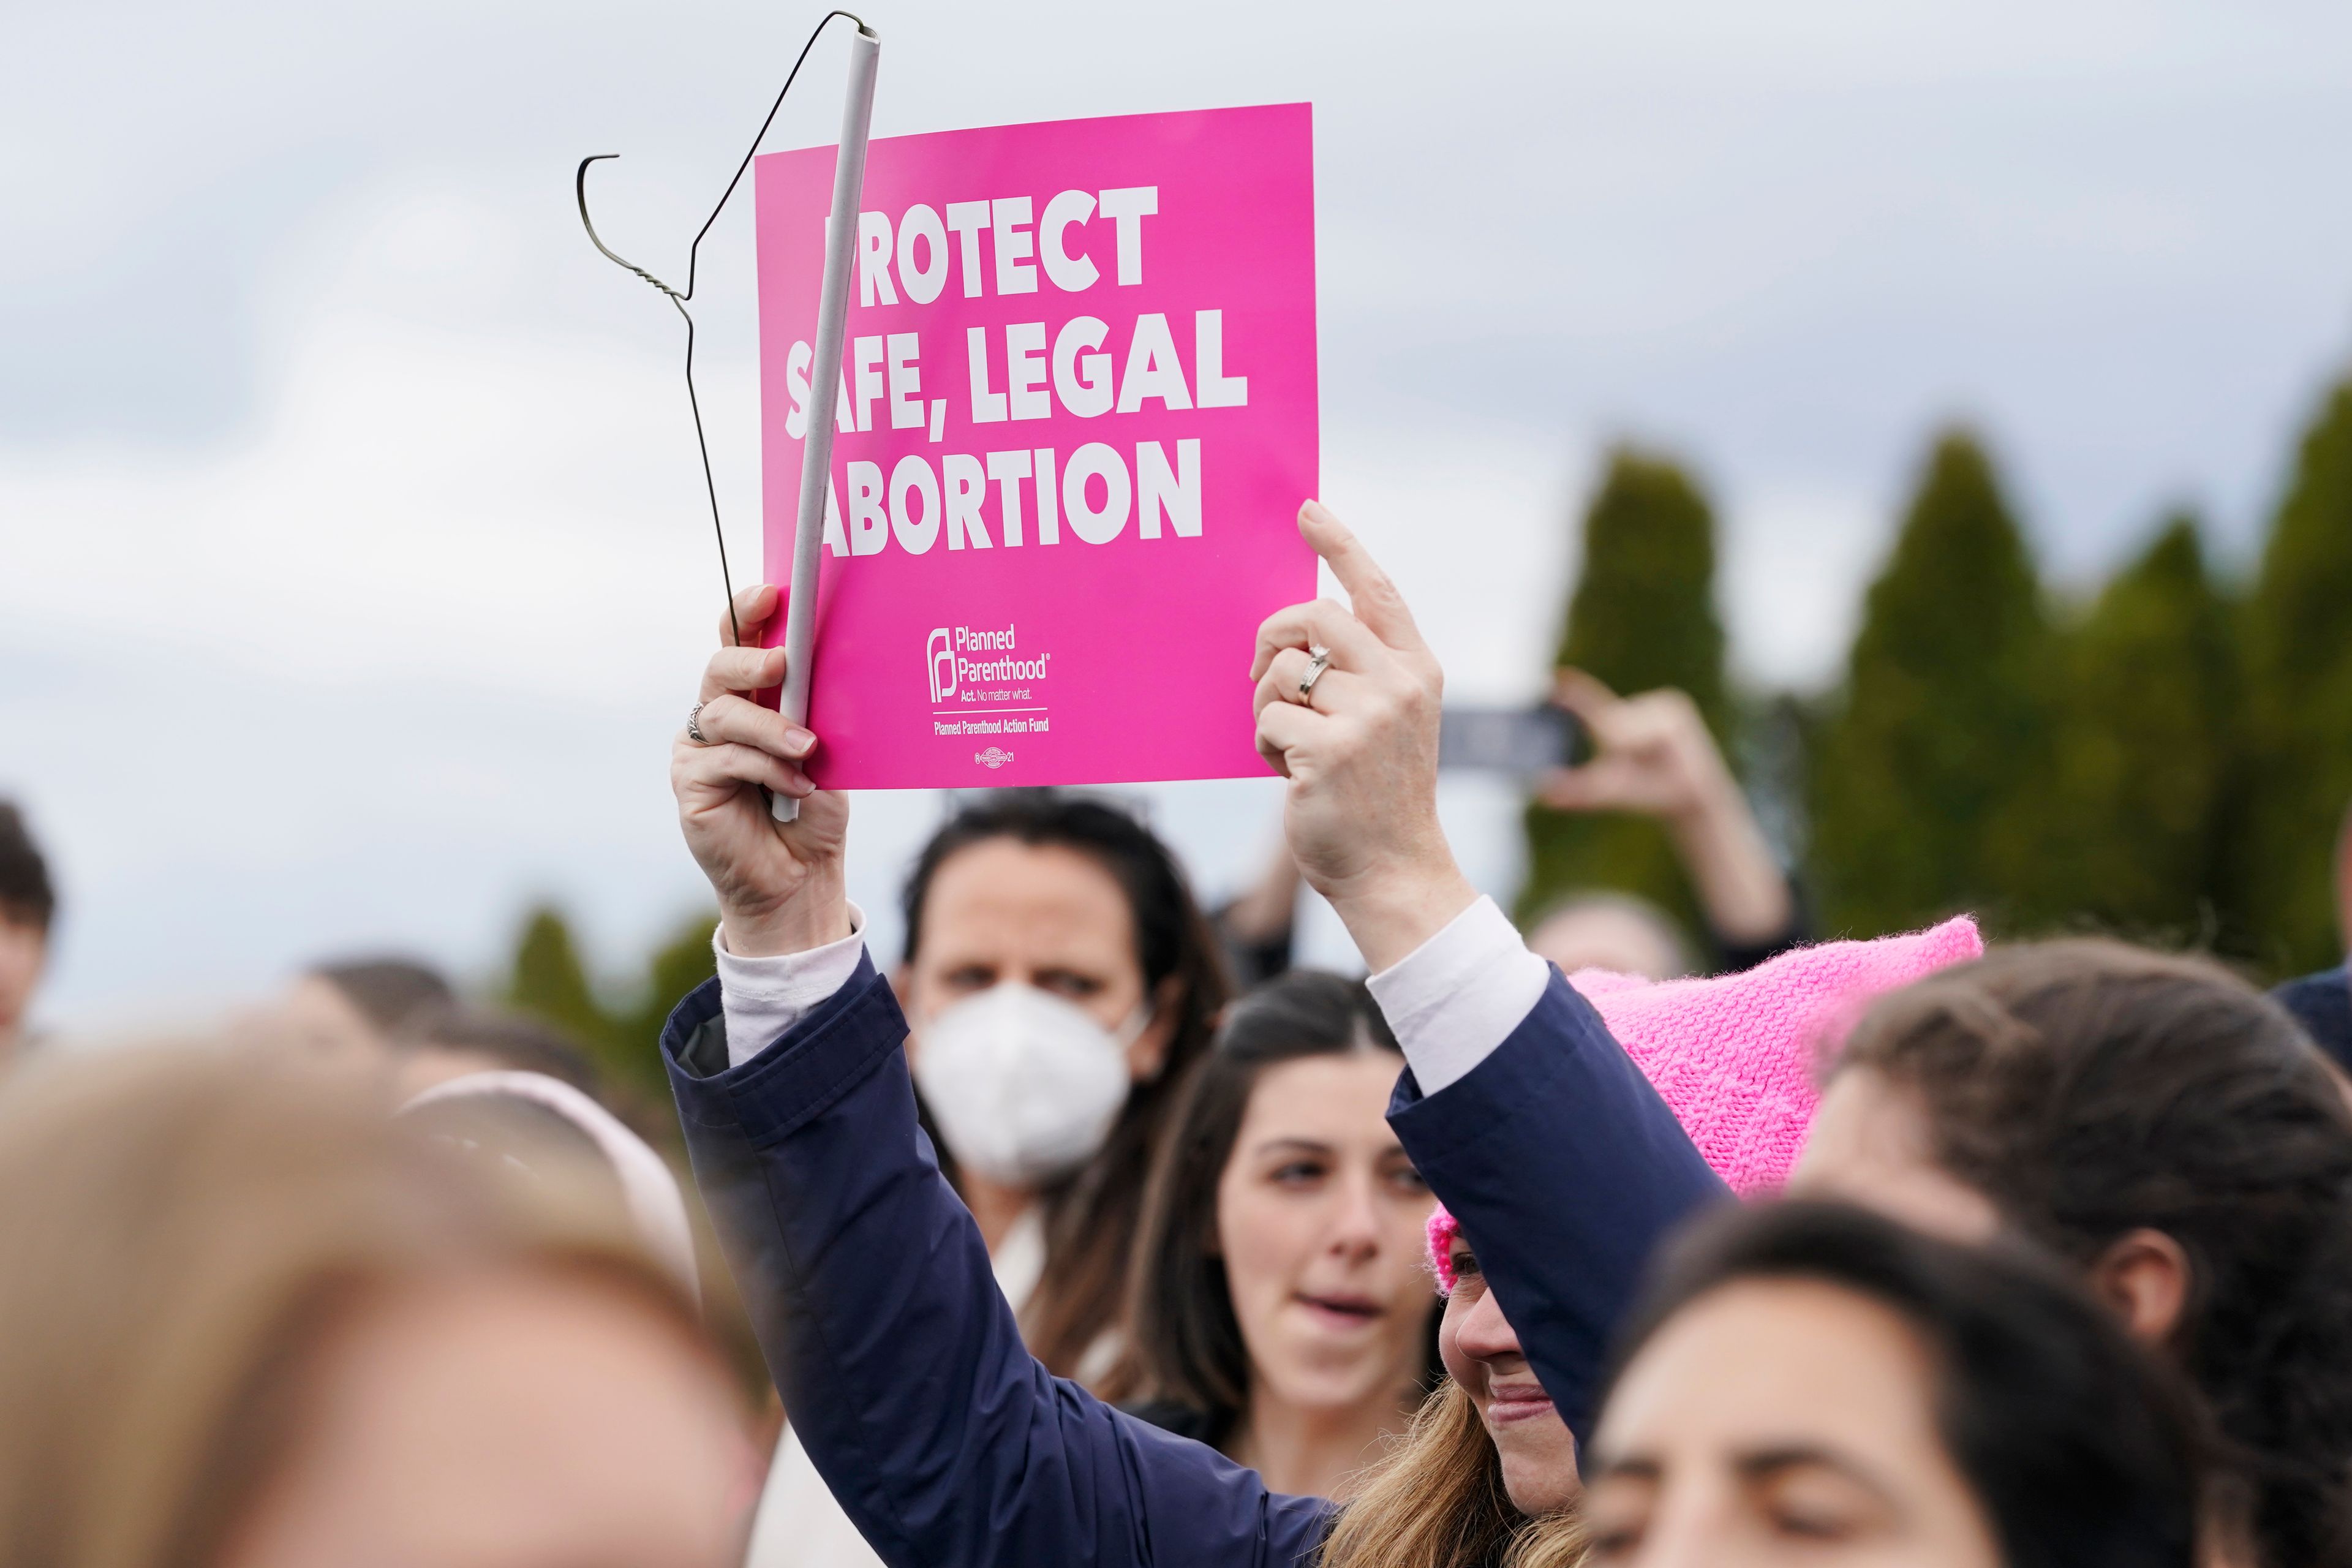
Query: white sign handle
x=824 y=380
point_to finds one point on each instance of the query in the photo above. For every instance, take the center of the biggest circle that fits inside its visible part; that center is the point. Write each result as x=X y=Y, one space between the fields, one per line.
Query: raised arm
x=1654 y=757
x=866 y=1280
x=1561 y=1162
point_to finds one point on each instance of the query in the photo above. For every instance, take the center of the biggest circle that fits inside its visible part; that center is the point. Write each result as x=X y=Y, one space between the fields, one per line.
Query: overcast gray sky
x=352 y=572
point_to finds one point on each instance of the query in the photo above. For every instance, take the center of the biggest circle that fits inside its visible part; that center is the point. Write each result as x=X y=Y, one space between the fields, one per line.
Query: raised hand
x=1652 y=755
x=1356 y=736
x=780 y=885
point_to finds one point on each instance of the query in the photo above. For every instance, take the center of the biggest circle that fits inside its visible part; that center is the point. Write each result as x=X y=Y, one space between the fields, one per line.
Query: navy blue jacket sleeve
x=1565 y=1169
x=2322 y=1003
x=902 y=1365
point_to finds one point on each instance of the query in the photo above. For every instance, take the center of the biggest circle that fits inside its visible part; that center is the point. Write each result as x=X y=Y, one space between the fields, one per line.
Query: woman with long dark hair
x=1280 y=1310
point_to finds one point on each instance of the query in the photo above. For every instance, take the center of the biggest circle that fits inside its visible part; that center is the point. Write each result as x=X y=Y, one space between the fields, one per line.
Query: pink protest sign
x=1077 y=416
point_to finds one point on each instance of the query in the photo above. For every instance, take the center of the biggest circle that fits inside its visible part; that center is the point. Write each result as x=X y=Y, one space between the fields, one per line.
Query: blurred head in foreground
x=356 y=1007
x=246 y=1321
x=526 y=1122
x=28 y=905
x=1814 y=1384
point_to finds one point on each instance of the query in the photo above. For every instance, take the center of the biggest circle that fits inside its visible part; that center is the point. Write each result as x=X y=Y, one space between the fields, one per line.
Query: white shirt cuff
x=1458 y=996
x=764 y=997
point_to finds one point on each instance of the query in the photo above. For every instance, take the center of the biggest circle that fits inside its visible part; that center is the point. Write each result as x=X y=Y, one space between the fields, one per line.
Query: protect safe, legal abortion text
x=1022 y=372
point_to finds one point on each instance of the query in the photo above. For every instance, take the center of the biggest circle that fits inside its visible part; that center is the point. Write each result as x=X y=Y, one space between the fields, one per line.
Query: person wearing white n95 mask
x=1023 y=1085
x=1060 y=981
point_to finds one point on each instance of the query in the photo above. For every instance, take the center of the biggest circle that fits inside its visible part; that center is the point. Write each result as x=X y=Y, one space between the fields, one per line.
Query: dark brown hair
x=1091 y=1215
x=389 y=993
x=1184 y=1344
x=2079 y=1447
x=26 y=895
x=513 y=1040
x=2090 y=1089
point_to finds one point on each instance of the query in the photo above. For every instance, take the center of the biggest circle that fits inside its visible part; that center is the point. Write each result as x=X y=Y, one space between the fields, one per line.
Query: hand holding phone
x=1650 y=754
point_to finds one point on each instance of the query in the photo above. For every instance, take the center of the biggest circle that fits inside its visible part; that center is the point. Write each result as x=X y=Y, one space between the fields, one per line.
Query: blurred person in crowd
x=1601 y=928
x=437 y=1045
x=494 y=1081
x=2322 y=1003
x=1814 y=1384
x=355 y=1006
x=1654 y=755
x=454 y=1040
x=1279 y=1308
x=2169 y=1131
x=1060 y=980
x=248 y=1321
x=28 y=906
x=1259 y=925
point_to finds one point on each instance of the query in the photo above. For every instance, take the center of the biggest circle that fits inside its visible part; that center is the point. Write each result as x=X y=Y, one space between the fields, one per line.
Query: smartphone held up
x=1524 y=743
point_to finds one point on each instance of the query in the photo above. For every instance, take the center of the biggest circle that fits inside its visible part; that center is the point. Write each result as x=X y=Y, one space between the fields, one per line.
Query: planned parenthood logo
x=993 y=758
x=941 y=660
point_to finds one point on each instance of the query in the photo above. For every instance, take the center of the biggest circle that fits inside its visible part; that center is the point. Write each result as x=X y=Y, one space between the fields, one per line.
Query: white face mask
x=1022 y=1085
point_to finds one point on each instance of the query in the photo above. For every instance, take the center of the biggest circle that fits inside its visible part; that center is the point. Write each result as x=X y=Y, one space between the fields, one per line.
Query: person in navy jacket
x=865 y=1277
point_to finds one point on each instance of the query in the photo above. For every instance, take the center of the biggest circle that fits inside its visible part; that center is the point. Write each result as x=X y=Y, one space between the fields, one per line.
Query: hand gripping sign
x=1076 y=420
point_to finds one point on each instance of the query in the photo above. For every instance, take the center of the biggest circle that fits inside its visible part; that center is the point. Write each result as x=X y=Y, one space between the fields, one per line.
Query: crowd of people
x=1089 y=1229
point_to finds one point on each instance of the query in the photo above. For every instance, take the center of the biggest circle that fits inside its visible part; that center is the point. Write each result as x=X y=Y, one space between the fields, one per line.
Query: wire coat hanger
x=679 y=296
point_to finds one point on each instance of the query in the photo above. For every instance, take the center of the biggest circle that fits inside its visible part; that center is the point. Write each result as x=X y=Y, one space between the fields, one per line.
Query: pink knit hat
x=1733 y=1056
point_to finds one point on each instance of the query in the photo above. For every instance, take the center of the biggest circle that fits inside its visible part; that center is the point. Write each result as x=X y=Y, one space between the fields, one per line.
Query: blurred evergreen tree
x=1929 y=766
x=1642 y=616
x=2147 y=753
x=548 y=981
x=2299 y=659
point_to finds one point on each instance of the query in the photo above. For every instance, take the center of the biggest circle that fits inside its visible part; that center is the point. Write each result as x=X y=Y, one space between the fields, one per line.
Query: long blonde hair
x=178 y=1228
x=1437 y=1500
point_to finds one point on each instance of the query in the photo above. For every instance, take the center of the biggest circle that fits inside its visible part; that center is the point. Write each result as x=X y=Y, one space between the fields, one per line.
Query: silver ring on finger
x=1318 y=659
x=694 y=726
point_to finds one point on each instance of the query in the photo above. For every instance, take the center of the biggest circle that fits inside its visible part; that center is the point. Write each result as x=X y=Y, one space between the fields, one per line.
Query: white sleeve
x=764 y=997
x=1457 y=996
